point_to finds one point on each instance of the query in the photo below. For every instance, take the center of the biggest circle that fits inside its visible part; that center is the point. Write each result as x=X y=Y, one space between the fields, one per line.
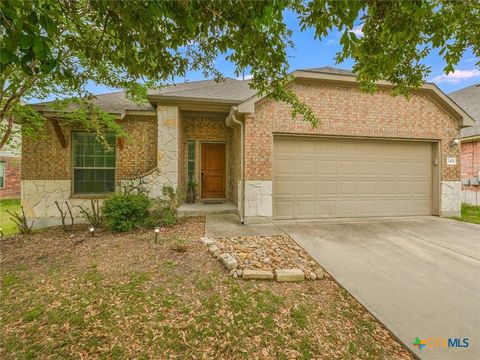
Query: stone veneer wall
x=451 y=200
x=346 y=111
x=166 y=170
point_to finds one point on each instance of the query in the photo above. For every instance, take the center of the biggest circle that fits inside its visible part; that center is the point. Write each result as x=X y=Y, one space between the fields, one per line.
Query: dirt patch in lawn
x=70 y=295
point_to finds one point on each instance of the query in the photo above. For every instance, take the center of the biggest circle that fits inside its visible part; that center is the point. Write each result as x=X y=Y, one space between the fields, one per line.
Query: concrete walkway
x=419 y=276
x=228 y=225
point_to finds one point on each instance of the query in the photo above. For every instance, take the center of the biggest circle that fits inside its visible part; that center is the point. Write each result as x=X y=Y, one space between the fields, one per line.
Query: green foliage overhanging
x=58 y=46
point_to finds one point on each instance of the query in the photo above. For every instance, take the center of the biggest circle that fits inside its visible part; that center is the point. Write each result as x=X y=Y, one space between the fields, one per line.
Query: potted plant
x=191 y=191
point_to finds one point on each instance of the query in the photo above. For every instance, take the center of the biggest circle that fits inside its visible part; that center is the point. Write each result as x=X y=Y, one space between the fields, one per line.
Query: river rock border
x=218 y=250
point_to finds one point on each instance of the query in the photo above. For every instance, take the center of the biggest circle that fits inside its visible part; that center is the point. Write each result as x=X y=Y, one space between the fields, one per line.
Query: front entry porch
x=200 y=209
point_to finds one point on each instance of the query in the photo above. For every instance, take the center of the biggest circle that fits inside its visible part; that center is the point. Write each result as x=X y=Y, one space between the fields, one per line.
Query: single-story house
x=10 y=169
x=469 y=99
x=372 y=155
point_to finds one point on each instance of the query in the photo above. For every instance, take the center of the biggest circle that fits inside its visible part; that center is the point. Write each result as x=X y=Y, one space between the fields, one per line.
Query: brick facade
x=346 y=111
x=11 y=187
x=471 y=163
x=45 y=159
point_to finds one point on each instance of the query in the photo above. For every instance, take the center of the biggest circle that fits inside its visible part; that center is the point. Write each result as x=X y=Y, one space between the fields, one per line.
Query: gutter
x=232 y=116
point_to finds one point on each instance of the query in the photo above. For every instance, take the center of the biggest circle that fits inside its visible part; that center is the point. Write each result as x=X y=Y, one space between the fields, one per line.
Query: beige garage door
x=326 y=177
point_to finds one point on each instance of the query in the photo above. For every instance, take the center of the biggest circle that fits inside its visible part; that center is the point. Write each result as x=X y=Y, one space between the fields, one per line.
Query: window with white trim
x=93 y=164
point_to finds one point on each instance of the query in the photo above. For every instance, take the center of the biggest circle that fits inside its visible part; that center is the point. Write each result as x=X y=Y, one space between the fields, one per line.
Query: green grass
x=470 y=213
x=7 y=225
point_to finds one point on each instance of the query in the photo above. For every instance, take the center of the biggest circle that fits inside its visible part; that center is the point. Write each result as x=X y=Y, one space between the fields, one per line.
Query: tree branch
x=7 y=132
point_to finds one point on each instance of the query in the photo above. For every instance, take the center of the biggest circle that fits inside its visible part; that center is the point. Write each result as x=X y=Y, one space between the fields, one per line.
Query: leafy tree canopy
x=57 y=46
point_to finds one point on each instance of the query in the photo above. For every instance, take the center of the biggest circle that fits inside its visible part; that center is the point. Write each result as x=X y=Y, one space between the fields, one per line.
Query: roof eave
x=118 y=115
x=469 y=138
x=194 y=103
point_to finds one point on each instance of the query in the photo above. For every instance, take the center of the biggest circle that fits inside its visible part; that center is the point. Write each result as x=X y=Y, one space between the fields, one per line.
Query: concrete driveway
x=419 y=276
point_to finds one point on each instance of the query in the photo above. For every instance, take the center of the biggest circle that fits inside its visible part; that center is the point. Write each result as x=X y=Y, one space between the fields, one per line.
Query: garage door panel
x=306 y=208
x=346 y=167
x=326 y=187
x=325 y=167
x=305 y=188
x=305 y=147
x=285 y=167
x=347 y=188
x=326 y=177
x=326 y=208
x=346 y=148
x=325 y=148
x=305 y=167
x=366 y=187
x=346 y=207
x=367 y=168
x=284 y=209
x=285 y=188
x=284 y=146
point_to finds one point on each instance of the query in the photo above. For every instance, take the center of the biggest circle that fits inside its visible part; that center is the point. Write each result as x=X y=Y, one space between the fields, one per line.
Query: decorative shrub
x=123 y=212
x=169 y=204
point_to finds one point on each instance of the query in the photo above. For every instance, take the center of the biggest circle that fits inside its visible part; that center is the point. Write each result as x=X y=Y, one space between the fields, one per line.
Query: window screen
x=93 y=164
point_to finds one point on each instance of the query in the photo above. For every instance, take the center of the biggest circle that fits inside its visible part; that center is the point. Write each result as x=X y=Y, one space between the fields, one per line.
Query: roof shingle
x=469 y=99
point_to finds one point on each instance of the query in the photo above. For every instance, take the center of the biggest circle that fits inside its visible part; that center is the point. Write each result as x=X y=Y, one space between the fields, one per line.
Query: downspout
x=241 y=196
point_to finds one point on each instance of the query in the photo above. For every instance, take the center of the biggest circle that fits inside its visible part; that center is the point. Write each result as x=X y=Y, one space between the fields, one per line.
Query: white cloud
x=331 y=41
x=457 y=76
x=357 y=30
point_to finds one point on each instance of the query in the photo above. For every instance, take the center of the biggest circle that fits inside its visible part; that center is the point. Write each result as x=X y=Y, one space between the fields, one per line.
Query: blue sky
x=309 y=53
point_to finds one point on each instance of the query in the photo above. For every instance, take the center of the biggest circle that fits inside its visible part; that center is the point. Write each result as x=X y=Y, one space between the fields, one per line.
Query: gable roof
x=469 y=99
x=221 y=96
x=343 y=77
x=114 y=103
x=228 y=91
x=329 y=70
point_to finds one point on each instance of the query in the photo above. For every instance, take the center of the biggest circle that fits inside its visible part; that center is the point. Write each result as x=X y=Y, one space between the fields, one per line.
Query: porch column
x=167 y=144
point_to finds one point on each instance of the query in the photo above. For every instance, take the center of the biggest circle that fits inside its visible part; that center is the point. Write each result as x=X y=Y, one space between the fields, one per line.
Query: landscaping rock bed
x=264 y=257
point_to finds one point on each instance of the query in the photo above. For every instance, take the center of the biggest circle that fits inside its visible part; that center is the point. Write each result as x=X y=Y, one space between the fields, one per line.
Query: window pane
x=94 y=164
x=190 y=160
x=2 y=174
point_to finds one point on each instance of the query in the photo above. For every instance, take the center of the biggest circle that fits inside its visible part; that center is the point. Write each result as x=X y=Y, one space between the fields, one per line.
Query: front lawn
x=470 y=213
x=71 y=295
x=7 y=225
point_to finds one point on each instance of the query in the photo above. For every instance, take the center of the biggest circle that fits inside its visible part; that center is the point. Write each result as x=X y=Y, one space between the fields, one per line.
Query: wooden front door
x=213 y=170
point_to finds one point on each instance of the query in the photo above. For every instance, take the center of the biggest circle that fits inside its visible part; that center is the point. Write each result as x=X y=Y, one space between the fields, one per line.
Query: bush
x=169 y=203
x=123 y=212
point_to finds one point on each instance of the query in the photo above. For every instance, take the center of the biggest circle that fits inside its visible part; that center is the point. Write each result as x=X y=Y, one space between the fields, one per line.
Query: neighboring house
x=10 y=169
x=371 y=155
x=469 y=99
